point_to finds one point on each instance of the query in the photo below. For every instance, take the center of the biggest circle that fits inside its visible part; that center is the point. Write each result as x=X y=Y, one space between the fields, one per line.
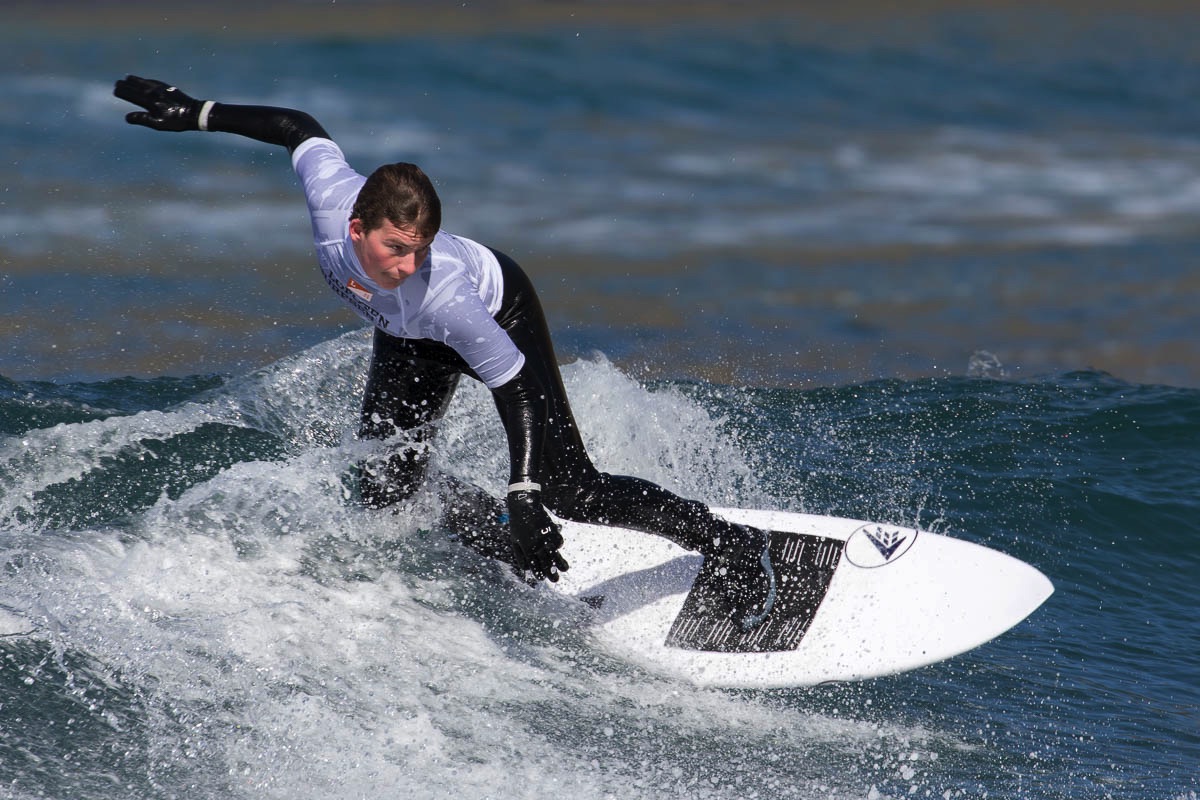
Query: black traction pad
x=803 y=567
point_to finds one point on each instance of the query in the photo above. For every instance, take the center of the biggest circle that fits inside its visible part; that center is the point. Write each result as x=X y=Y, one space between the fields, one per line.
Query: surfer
x=443 y=306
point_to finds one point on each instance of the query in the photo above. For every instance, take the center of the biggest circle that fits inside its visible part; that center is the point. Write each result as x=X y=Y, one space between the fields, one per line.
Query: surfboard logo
x=886 y=542
x=875 y=545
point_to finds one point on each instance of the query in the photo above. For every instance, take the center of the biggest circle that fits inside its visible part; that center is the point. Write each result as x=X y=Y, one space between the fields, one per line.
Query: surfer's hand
x=535 y=537
x=167 y=108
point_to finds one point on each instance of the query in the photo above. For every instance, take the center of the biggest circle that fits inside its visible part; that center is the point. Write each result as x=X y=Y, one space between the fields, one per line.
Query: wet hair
x=401 y=194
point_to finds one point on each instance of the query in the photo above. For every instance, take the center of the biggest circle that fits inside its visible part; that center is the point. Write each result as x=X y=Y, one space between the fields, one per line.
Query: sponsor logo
x=358 y=289
x=355 y=301
x=875 y=545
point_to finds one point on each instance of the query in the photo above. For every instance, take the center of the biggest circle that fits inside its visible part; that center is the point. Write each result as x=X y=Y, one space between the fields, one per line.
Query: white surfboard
x=855 y=600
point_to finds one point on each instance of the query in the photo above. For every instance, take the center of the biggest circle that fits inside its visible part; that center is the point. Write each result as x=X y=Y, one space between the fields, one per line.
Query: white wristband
x=202 y=123
x=524 y=486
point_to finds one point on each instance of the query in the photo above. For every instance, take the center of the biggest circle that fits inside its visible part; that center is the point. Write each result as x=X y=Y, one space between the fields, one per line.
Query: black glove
x=167 y=108
x=535 y=537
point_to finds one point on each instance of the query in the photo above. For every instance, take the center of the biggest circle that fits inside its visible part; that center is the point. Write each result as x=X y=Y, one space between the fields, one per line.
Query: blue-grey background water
x=931 y=266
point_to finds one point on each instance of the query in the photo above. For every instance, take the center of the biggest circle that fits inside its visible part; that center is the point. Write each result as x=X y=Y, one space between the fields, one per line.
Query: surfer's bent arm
x=169 y=109
x=522 y=406
x=523 y=409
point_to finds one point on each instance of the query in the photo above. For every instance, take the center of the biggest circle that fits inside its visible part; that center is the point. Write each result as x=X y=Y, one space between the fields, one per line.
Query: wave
x=249 y=632
x=190 y=589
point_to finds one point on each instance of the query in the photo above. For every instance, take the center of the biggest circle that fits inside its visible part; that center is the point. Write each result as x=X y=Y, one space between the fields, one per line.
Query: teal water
x=929 y=267
x=192 y=608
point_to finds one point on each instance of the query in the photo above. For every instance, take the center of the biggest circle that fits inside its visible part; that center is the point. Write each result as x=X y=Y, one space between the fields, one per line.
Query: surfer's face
x=389 y=254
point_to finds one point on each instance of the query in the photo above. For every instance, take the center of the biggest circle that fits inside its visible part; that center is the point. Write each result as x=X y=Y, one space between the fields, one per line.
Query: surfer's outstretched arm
x=169 y=109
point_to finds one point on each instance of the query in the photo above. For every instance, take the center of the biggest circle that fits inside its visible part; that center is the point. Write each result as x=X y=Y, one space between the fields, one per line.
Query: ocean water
x=932 y=267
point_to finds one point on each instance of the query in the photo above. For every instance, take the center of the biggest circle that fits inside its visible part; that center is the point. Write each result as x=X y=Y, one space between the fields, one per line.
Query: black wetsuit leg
x=572 y=487
x=405 y=392
x=409 y=387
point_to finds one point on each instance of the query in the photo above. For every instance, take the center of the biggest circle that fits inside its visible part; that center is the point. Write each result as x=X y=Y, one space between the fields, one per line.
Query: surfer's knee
x=574 y=498
x=383 y=481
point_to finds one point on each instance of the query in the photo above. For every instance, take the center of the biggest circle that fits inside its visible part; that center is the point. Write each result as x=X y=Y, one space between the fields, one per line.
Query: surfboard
x=855 y=600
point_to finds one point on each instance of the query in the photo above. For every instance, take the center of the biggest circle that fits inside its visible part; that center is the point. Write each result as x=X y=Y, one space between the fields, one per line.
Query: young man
x=443 y=306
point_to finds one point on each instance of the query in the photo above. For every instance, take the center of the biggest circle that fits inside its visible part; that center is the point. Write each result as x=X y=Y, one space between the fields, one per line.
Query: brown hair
x=401 y=194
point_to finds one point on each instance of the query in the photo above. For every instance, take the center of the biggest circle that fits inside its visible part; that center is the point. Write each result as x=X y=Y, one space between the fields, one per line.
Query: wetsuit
x=470 y=311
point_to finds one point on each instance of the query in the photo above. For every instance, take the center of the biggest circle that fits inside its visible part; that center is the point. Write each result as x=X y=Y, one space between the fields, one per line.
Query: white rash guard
x=452 y=298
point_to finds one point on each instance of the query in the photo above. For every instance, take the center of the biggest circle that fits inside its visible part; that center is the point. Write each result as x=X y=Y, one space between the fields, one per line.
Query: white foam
x=41 y=458
x=286 y=643
x=13 y=624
